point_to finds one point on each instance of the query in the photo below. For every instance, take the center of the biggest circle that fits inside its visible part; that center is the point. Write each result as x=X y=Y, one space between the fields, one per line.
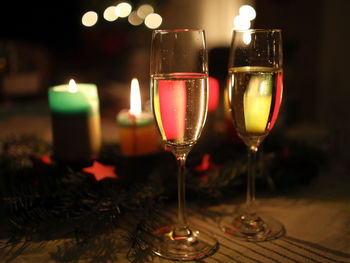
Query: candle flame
x=72 y=87
x=135 y=97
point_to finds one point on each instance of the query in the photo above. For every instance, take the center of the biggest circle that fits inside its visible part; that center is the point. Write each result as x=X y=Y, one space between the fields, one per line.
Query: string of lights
x=247 y=14
x=143 y=14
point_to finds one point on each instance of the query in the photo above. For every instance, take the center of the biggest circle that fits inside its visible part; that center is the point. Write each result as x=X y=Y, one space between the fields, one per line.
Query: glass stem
x=252 y=150
x=182 y=215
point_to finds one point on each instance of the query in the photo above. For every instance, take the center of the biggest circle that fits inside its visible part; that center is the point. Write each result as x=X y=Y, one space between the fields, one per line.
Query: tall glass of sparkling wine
x=255 y=92
x=179 y=95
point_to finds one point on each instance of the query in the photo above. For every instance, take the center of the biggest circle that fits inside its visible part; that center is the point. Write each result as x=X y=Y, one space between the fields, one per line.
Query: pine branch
x=36 y=196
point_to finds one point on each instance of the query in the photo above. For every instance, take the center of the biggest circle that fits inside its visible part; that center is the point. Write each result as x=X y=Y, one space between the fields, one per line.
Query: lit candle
x=75 y=119
x=137 y=131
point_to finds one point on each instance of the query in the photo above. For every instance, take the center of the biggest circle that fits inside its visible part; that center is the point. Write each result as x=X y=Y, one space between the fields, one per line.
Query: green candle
x=75 y=120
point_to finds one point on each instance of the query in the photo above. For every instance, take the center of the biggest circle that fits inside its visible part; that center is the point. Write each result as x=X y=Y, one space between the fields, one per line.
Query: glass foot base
x=182 y=244
x=252 y=227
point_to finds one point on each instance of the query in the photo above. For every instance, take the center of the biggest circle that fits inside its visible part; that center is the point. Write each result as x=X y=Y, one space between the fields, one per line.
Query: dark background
x=316 y=56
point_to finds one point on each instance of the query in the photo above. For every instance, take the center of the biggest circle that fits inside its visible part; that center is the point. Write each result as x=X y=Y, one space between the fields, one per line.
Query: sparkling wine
x=255 y=95
x=180 y=107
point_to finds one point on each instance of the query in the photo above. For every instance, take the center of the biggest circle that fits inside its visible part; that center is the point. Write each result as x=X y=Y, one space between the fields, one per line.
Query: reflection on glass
x=255 y=93
x=179 y=93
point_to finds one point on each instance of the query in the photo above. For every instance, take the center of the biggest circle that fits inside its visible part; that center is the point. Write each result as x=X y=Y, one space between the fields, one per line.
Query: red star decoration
x=206 y=164
x=206 y=169
x=101 y=171
x=46 y=160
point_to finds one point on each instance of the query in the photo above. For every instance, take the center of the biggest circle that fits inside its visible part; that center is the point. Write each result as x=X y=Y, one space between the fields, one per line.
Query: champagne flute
x=255 y=92
x=179 y=96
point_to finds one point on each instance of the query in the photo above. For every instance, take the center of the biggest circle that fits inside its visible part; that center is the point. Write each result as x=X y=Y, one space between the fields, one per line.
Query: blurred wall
x=300 y=22
x=215 y=16
x=316 y=39
x=334 y=85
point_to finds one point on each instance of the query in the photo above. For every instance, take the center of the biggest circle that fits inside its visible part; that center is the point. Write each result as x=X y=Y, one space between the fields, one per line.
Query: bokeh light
x=134 y=19
x=144 y=10
x=241 y=23
x=123 y=9
x=248 y=12
x=153 y=21
x=89 y=19
x=110 y=14
x=247 y=38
